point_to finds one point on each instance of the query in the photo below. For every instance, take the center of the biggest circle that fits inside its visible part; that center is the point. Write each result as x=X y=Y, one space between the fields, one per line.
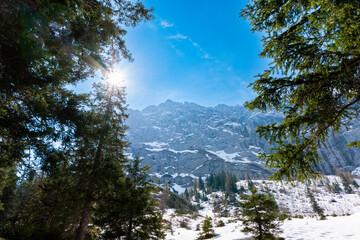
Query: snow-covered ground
x=339 y=228
x=344 y=227
x=344 y=224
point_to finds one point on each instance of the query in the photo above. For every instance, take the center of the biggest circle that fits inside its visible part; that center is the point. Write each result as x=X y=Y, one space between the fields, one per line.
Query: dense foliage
x=128 y=209
x=313 y=78
x=44 y=46
x=62 y=153
x=222 y=181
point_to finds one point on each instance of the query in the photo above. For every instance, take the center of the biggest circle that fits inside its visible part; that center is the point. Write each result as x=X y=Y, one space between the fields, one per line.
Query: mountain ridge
x=186 y=140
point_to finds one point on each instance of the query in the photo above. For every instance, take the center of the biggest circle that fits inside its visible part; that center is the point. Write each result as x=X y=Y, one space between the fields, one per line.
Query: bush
x=284 y=216
x=184 y=224
x=197 y=227
x=220 y=223
x=355 y=184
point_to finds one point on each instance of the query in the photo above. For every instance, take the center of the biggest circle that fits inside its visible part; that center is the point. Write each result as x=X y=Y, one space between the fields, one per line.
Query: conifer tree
x=128 y=209
x=313 y=78
x=207 y=229
x=260 y=215
x=315 y=206
x=210 y=182
x=249 y=182
x=222 y=181
x=165 y=195
x=336 y=187
x=346 y=179
x=230 y=188
x=100 y=149
x=201 y=184
x=44 y=47
x=196 y=185
x=186 y=194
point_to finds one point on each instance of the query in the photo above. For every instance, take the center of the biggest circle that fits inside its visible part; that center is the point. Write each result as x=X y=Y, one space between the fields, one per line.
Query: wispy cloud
x=166 y=24
x=177 y=51
x=178 y=36
x=195 y=44
x=207 y=56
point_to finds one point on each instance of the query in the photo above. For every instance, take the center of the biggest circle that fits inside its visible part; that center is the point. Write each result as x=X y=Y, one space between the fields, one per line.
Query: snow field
x=292 y=200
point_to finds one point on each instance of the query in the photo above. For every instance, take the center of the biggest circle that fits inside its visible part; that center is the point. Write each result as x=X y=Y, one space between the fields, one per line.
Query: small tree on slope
x=260 y=215
x=207 y=229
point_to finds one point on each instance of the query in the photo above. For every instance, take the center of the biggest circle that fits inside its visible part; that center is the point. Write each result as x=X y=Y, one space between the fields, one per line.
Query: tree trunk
x=84 y=221
x=260 y=232
x=50 y=218
x=129 y=230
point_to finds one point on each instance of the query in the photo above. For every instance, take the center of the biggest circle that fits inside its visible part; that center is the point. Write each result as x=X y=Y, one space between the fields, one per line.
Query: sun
x=116 y=78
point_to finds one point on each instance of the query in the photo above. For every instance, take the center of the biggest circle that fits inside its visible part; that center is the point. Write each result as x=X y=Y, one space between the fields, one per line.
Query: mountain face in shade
x=185 y=140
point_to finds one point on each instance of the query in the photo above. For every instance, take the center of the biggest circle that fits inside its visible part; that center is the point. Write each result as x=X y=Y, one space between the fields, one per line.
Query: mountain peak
x=170 y=104
x=169 y=101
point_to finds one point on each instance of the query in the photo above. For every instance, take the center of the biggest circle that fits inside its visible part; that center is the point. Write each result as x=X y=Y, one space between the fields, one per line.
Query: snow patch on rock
x=356 y=172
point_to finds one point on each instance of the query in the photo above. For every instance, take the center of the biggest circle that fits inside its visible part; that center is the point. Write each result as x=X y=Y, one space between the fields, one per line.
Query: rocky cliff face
x=184 y=140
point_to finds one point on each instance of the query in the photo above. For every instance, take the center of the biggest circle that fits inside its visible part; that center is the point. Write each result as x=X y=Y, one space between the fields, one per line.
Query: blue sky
x=197 y=51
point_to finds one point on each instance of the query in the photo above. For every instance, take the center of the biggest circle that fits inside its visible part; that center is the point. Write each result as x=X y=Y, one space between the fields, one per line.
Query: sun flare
x=116 y=78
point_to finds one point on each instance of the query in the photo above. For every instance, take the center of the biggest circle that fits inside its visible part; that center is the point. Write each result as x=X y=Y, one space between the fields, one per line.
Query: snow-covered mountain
x=184 y=140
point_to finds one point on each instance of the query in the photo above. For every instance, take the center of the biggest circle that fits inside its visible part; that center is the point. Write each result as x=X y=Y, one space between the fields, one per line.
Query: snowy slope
x=337 y=228
x=342 y=211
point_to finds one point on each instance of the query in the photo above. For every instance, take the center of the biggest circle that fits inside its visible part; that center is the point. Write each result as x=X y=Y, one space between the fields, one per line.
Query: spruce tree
x=210 y=182
x=165 y=195
x=201 y=184
x=100 y=149
x=128 y=209
x=249 y=182
x=230 y=188
x=315 y=206
x=313 y=78
x=260 y=215
x=186 y=194
x=207 y=229
x=44 y=47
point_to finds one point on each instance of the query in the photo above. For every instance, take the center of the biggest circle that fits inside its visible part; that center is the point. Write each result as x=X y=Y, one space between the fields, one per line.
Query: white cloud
x=166 y=24
x=207 y=56
x=177 y=51
x=203 y=53
x=195 y=44
x=178 y=36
